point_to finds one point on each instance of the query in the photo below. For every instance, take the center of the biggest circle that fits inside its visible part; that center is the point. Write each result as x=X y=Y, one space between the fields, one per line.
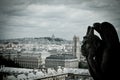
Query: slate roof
x=61 y=56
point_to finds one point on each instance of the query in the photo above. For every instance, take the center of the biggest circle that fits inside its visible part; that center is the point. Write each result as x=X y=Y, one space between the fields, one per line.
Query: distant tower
x=53 y=37
x=76 y=47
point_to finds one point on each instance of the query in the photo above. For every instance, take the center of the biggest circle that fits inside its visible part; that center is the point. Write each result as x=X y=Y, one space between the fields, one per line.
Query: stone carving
x=102 y=54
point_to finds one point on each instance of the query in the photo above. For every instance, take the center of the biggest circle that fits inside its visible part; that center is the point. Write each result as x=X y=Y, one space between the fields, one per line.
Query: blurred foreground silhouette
x=102 y=53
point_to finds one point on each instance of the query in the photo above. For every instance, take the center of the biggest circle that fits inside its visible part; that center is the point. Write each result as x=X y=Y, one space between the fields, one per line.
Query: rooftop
x=61 y=56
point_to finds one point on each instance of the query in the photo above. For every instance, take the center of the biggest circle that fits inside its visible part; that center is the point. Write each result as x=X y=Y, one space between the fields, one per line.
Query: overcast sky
x=63 y=18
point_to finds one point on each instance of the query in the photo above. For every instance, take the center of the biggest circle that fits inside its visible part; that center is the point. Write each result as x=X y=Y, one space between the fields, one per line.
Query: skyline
x=63 y=18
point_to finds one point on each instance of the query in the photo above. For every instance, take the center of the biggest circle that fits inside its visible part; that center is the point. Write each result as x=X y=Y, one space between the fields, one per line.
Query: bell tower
x=76 y=47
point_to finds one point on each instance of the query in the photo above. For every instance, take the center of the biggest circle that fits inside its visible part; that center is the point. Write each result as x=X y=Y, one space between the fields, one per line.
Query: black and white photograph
x=59 y=39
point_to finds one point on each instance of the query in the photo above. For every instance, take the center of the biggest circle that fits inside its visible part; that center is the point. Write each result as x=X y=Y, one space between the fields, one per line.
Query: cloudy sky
x=63 y=18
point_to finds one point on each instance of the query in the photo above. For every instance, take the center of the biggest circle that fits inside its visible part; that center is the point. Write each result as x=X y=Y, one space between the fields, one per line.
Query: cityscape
x=46 y=39
x=44 y=58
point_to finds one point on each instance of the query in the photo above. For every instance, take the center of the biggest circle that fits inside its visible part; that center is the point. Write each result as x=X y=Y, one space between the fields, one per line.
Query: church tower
x=76 y=47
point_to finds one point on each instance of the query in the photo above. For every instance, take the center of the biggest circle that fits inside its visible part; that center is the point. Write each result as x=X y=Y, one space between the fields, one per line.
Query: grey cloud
x=12 y=5
x=64 y=18
x=57 y=2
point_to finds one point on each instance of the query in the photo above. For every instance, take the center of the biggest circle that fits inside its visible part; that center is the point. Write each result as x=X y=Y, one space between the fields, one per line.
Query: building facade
x=63 y=60
x=28 y=61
